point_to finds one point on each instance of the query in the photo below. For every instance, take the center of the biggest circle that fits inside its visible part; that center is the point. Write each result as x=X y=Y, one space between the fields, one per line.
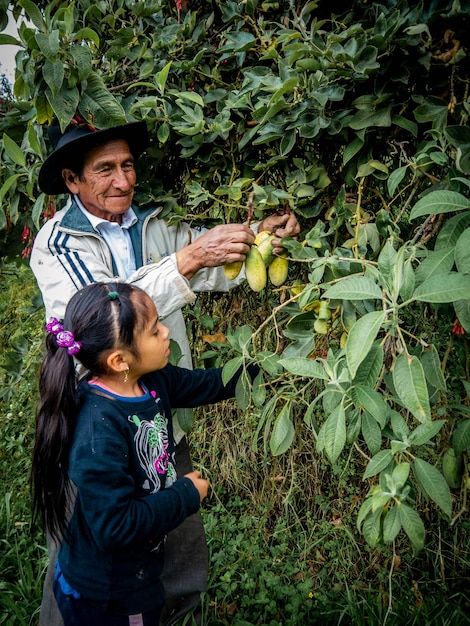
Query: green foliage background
x=352 y=446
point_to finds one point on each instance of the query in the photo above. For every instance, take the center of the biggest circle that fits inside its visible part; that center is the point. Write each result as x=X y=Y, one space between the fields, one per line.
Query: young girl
x=108 y=440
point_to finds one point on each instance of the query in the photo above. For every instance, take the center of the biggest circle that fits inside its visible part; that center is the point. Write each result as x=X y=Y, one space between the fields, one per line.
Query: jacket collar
x=74 y=219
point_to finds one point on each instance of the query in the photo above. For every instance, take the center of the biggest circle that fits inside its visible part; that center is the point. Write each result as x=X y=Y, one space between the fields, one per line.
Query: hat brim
x=50 y=179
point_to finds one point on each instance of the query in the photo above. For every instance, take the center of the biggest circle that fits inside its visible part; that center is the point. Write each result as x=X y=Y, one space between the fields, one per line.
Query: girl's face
x=153 y=344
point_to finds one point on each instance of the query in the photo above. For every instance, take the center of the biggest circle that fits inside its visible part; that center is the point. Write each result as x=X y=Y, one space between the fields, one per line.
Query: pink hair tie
x=64 y=338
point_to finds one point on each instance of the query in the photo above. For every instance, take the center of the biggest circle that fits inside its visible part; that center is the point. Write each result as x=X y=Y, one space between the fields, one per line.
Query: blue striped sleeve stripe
x=69 y=259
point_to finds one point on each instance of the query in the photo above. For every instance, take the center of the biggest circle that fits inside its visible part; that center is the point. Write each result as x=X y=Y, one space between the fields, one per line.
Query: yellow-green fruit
x=231 y=270
x=278 y=270
x=263 y=241
x=255 y=269
x=452 y=468
x=320 y=326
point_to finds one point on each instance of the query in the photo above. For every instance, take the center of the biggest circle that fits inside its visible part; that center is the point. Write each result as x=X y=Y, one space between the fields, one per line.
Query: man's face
x=106 y=188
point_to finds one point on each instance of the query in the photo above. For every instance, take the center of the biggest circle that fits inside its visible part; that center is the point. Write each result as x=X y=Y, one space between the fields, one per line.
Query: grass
x=281 y=533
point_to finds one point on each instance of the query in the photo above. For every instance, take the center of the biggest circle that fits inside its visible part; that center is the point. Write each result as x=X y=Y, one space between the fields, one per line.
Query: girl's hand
x=201 y=484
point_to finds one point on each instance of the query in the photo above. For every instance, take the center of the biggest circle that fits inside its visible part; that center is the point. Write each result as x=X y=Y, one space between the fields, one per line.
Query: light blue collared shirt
x=117 y=237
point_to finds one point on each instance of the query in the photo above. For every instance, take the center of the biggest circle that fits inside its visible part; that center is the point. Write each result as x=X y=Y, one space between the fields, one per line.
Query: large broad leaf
x=371 y=527
x=444 y=288
x=434 y=485
x=243 y=390
x=439 y=202
x=53 y=75
x=304 y=367
x=354 y=288
x=231 y=368
x=333 y=433
x=438 y=262
x=461 y=437
x=283 y=431
x=387 y=259
x=98 y=102
x=378 y=462
x=15 y=153
x=373 y=402
x=371 y=432
x=413 y=526
x=462 y=309
x=451 y=231
x=64 y=104
x=432 y=368
x=360 y=339
x=425 y=432
x=370 y=368
x=391 y=524
x=366 y=119
x=462 y=253
x=410 y=385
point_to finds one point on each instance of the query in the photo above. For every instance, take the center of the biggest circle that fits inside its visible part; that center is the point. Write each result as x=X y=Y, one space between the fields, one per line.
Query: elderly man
x=100 y=235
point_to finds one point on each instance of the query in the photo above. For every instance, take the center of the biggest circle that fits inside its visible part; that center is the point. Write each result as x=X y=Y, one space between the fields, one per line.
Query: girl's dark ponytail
x=55 y=424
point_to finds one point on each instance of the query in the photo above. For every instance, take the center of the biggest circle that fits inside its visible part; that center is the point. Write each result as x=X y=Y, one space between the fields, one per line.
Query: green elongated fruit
x=263 y=241
x=278 y=270
x=255 y=270
x=231 y=270
x=452 y=468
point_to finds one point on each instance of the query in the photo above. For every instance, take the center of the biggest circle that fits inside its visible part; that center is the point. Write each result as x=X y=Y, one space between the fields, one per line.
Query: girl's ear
x=117 y=361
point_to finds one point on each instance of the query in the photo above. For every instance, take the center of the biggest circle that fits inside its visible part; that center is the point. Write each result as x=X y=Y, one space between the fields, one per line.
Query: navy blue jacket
x=128 y=494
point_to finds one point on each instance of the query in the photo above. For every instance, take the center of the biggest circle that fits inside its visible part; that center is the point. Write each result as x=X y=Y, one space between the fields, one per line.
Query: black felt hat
x=78 y=139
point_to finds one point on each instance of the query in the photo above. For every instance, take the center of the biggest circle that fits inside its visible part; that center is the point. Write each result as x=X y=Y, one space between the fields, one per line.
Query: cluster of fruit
x=259 y=263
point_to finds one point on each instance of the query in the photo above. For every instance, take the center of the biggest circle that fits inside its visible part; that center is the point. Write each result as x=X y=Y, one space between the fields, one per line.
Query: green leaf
x=100 y=104
x=378 y=462
x=451 y=231
x=7 y=184
x=231 y=368
x=34 y=14
x=444 y=288
x=301 y=366
x=86 y=33
x=360 y=339
x=373 y=402
x=49 y=45
x=15 y=153
x=439 y=202
x=366 y=119
x=391 y=524
x=334 y=433
x=53 y=75
x=161 y=78
x=258 y=392
x=425 y=432
x=395 y=179
x=371 y=432
x=354 y=288
x=461 y=437
x=432 y=368
x=437 y=262
x=410 y=385
x=283 y=431
x=434 y=485
x=370 y=368
x=371 y=527
x=413 y=526
x=462 y=253
x=462 y=310
x=64 y=104
x=243 y=390
x=387 y=259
